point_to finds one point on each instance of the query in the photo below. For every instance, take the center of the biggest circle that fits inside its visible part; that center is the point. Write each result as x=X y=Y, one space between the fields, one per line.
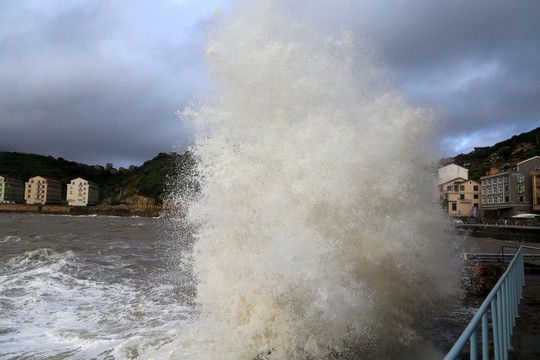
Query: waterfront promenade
x=526 y=336
x=504 y=232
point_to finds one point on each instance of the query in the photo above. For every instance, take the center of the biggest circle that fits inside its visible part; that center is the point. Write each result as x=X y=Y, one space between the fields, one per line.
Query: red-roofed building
x=42 y=190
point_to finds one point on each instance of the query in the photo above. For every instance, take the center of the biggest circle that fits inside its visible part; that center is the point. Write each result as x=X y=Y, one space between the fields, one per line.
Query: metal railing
x=495 y=325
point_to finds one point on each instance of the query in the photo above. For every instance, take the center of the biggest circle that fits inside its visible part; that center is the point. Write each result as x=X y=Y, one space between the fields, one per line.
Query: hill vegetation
x=140 y=185
x=147 y=184
x=517 y=148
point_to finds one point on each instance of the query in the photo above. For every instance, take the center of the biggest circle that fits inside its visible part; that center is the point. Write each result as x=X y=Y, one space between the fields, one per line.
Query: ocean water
x=88 y=287
x=114 y=288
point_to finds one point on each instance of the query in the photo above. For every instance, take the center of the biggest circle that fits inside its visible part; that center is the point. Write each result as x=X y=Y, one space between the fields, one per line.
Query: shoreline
x=100 y=210
x=503 y=232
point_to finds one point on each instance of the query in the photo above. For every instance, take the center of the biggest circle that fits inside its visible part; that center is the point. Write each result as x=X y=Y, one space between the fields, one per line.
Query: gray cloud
x=476 y=59
x=98 y=81
x=101 y=81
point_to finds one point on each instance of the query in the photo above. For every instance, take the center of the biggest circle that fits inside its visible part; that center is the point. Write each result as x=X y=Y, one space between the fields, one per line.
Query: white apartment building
x=81 y=192
x=41 y=190
x=451 y=172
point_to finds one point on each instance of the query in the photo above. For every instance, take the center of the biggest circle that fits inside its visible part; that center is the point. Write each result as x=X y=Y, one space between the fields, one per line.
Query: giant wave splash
x=315 y=236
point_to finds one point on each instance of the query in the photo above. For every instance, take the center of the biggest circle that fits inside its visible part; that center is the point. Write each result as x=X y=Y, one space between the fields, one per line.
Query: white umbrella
x=525 y=216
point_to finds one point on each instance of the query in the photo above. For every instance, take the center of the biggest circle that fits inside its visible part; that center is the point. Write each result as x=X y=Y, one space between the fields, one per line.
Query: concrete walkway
x=526 y=337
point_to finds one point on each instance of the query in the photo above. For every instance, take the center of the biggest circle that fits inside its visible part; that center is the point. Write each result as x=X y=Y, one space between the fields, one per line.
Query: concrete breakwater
x=109 y=210
x=503 y=232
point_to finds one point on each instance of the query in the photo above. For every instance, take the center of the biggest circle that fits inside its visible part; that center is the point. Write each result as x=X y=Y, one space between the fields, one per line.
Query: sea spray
x=314 y=232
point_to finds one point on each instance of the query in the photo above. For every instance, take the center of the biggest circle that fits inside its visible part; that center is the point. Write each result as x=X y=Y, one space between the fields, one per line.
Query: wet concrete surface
x=526 y=336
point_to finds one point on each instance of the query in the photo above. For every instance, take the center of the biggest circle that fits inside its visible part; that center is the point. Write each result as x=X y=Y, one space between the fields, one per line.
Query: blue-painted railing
x=503 y=301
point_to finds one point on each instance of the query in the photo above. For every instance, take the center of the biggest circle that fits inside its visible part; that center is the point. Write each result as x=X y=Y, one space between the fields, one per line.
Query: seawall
x=109 y=210
x=503 y=232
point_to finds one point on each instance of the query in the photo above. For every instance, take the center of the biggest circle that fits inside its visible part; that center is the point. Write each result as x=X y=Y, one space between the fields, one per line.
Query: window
x=461 y=196
x=476 y=205
x=520 y=178
x=461 y=187
x=476 y=196
x=521 y=198
x=454 y=207
x=475 y=188
x=500 y=198
x=448 y=188
x=521 y=189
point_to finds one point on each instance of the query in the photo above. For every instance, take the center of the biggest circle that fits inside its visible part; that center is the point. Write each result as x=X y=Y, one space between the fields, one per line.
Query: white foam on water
x=315 y=233
x=53 y=305
x=10 y=239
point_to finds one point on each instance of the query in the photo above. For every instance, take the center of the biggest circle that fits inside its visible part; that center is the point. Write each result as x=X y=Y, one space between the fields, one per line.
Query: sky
x=99 y=81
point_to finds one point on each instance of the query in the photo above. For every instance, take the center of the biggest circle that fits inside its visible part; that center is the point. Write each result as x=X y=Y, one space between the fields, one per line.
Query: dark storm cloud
x=476 y=59
x=101 y=81
x=98 y=81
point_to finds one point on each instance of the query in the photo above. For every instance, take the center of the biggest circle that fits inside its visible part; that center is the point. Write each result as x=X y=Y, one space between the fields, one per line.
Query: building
x=11 y=190
x=41 y=190
x=536 y=189
x=81 y=192
x=460 y=197
x=510 y=192
x=450 y=172
x=457 y=195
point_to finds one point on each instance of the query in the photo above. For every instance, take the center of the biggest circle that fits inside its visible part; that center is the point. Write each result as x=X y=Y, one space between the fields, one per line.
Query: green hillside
x=518 y=147
x=145 y=183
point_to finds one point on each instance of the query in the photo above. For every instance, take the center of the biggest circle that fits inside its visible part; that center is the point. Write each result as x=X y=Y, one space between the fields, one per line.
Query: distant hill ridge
x=143 y=185
x=517 y=148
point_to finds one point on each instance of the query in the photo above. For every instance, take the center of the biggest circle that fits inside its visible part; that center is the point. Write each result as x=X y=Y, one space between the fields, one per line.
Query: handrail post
x=506 y=317
x=485 y=336
x=474 y=345
x=495 y=325
x=500 y=340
